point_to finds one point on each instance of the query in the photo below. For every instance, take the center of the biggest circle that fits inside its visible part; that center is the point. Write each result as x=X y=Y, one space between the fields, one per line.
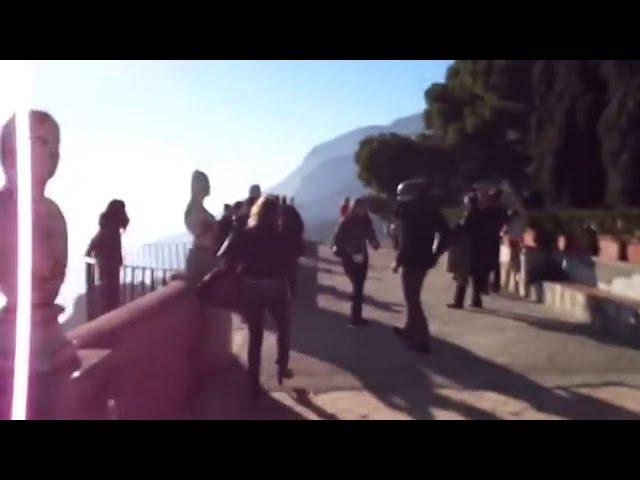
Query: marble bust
x=199 y=221
x=49 y=261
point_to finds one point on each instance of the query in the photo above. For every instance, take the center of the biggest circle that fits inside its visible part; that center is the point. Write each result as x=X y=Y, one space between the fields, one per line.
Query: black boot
x=476 y=292
x=284 y=373
x=458 y=298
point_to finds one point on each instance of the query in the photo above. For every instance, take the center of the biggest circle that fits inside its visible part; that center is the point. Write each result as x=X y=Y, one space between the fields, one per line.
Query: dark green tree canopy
x=568 y=127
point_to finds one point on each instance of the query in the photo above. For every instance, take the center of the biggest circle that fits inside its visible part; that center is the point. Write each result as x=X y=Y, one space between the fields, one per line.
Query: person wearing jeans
x=350 y=245
x=272 y=296
x=357 y=274
x=261 y=255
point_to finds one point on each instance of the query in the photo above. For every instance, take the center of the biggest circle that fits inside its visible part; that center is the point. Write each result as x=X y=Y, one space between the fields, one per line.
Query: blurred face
x=45 y=153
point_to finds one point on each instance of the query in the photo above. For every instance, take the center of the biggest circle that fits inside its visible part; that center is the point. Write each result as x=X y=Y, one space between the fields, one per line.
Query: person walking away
x=293 y=229
x=106 y=248
x=260 y=254
x=514 y=233
x=465 y=259
x=350 y=245
x=495 y=218
x=419 y=220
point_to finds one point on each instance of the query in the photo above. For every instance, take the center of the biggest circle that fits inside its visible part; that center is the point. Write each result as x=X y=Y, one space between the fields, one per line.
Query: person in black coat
x=106 y=248
x=466 y=260
x=495 y=218
x=261 y=255
x=423 y=236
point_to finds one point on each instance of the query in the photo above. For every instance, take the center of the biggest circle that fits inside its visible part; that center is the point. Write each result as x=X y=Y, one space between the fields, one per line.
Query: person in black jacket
x=350 y=245
x=466 y=254
x=419 y=222
x=106 y=248
x=261 y=255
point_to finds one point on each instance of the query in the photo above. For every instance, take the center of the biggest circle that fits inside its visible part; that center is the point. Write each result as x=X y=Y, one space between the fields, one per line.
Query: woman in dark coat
x=106 y=248
x=261 y=254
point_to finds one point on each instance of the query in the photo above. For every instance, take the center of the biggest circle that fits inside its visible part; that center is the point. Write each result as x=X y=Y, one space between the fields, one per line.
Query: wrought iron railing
x=152 y=267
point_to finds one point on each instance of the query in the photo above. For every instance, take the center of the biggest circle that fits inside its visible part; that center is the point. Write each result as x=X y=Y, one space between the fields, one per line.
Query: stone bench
x=606 y=312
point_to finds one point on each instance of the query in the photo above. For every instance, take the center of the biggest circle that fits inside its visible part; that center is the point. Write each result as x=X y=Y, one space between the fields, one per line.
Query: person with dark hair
x=261 y=255
x=495 y=218
x=106 y=248
x=293 y=229
x=465 y=259
x=419 y=221
x=350 y=245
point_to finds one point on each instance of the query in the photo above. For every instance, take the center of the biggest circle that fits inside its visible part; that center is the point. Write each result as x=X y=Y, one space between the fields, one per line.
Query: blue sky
x=136 y=129
x=250 y=120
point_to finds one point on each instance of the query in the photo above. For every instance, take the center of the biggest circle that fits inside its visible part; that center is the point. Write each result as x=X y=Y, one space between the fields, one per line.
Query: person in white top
x=514 y=232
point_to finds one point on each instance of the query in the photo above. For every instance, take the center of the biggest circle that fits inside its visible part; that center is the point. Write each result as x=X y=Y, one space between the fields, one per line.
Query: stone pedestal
x=217 y=341
x=52 y=354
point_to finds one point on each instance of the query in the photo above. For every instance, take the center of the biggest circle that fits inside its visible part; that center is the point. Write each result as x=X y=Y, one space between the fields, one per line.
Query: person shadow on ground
x=404 y=380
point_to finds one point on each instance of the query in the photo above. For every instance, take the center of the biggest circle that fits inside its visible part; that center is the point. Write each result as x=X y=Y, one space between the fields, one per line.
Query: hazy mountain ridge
x=326 y=175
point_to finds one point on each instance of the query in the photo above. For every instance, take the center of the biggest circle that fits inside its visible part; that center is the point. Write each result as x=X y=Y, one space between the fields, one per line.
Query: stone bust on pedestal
x=50 y=349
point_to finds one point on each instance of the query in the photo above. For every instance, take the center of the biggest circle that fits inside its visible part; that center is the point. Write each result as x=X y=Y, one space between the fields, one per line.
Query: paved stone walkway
x=514 y=360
